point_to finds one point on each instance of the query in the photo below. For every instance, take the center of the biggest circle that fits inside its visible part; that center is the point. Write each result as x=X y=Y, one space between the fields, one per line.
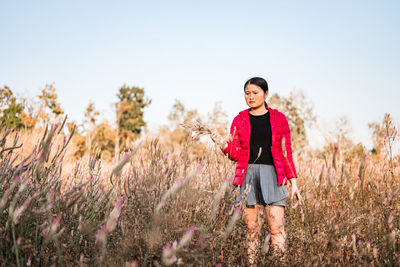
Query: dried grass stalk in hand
x=198 y=129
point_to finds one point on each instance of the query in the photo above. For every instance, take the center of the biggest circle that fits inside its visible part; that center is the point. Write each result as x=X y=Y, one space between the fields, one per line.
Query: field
x=158 y=206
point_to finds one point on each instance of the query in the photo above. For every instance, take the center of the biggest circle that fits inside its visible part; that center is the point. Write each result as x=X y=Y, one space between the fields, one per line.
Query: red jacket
x=239 y=147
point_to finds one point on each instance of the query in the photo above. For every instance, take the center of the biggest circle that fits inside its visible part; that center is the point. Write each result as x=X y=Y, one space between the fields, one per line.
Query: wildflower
x=390 y=220
x=266 y=243
x=81 y=259
x=18 y=211
x=187 y=236
x=375 y=252
x=3 y=202
x=8 y=192
x=111 y=222
x=117 y=170
x=80 y=223
x=168 y=257
x=176 y=188
x=114 y=215
x=232 y=222
x=220 y=194
x=353 y=238
x=101 y=234
x=133 y=263
x=392 y=237
x=169 y=252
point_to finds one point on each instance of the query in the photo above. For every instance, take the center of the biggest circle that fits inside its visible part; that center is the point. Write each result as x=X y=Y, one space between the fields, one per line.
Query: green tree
x=11 y=112
x=129 y=109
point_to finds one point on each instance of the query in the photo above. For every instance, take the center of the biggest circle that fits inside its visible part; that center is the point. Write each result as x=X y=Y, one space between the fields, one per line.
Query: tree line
x=98 y=135
x=91 y=135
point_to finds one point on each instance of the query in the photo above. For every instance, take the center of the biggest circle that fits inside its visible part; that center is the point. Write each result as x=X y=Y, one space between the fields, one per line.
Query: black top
x=261 y=136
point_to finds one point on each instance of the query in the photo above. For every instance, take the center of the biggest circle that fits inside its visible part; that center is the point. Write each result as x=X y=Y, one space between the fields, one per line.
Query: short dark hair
x=262 y=83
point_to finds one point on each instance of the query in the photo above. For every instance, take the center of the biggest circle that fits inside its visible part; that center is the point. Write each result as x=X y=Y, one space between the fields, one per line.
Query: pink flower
x=101 y=234
x=390 y=220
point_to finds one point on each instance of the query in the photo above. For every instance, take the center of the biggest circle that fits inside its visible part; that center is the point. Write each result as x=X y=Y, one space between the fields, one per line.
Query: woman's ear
x=265 y=95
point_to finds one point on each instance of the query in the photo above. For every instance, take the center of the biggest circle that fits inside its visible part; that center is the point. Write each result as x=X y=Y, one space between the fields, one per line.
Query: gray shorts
x=263 y=189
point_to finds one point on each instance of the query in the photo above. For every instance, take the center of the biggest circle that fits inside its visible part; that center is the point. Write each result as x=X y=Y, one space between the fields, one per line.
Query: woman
x=261 y=144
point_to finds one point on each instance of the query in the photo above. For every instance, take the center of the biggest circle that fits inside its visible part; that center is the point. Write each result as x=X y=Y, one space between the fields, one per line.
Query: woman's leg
x=275 y=219
x=252 y=220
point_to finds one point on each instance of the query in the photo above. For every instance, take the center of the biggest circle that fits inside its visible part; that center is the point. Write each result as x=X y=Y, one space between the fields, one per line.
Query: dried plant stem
x=15 y=244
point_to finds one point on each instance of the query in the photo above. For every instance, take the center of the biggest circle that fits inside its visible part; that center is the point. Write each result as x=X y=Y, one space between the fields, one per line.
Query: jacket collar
x=245 y=112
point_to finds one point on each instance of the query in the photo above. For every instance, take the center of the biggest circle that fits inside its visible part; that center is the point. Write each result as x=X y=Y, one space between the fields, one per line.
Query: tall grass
x=158 y=207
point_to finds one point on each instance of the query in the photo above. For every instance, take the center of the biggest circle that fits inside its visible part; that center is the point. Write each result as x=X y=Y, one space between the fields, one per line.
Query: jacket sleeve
x=233 y=148
x=289 y=167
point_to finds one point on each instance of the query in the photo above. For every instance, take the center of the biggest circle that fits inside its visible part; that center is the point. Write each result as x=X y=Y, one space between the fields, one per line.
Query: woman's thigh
x=275 y=217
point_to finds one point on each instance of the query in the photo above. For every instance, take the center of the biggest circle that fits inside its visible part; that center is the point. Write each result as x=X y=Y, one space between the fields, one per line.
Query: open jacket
x=238 y=148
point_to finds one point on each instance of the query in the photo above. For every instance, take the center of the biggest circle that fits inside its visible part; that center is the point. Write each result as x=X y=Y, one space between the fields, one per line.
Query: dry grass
x=167 y=207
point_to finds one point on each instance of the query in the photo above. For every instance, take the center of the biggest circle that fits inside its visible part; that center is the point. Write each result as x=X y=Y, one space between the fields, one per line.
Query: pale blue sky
x=344 y=54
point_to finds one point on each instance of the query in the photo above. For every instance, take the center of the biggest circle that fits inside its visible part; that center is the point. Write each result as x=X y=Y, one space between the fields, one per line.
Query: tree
x=104 y=137
x=49 y=98
x=299 y=113
x=11 y=112
x=6 y=97
x=129 y=111
x=89 y=124
x=30 y=116
x=91 y=115
x=177 y=137
x=217 y=120
x=179 y=114
x=338 y=144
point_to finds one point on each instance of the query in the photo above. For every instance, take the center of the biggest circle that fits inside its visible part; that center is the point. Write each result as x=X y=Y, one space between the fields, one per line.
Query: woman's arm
x=288 y=162
x=290 y=170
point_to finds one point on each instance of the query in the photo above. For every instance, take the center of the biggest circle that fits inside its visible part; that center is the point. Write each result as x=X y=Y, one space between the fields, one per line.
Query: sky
x=344 y=55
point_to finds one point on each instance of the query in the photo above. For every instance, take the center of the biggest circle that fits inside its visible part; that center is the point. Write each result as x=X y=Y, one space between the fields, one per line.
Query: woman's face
x=255 y=96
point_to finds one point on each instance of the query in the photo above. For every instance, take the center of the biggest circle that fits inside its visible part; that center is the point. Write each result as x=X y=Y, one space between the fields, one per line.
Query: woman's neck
x=259 y=111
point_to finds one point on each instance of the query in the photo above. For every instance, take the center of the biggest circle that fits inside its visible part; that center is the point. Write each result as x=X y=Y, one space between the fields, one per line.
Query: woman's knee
x=277 y=229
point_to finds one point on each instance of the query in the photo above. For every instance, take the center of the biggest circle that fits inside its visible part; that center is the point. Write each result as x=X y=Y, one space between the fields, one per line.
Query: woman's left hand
x=294 y=191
